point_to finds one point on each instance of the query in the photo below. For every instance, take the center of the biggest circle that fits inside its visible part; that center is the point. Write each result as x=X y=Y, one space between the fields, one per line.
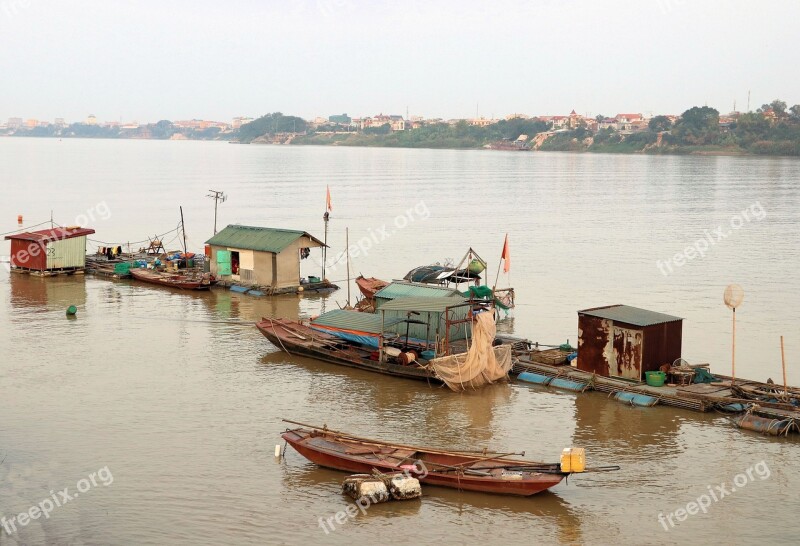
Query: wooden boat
x=296 y=338
x=175 y=280
x=370 y=285
x=482 y=471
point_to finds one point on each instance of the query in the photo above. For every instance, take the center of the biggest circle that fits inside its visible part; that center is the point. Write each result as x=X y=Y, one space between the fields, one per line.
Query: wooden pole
x=325 y=246
x=183 y=229
x=733 y=351
x=347 y=250
x=783 y=364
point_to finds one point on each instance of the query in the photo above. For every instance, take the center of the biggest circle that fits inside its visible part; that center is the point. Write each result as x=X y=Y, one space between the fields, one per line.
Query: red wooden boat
x=485 y=472
x=175 y=280
x=369 y=286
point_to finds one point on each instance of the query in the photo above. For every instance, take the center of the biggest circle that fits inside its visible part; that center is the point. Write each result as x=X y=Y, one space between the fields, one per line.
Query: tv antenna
x=218 y=198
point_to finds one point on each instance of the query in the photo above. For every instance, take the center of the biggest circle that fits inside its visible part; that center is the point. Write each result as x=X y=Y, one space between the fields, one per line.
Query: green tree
x=660 y=123
x=271 y=124
x=698 y=125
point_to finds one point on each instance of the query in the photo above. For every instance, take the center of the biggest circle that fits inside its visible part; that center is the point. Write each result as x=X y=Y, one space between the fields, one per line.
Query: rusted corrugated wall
x=594 y=335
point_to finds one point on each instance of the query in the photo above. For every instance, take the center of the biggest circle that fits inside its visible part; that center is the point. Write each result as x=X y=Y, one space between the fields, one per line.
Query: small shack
x=624 y=341
x=49 y=251
x=260 y=256
x=405 y=289
x=428 y=321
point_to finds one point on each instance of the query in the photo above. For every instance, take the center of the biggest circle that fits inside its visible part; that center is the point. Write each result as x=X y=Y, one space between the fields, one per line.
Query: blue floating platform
x=239 y=289
x=568 y=385
x=255 y=293
x=641 y=400
x=530 y=377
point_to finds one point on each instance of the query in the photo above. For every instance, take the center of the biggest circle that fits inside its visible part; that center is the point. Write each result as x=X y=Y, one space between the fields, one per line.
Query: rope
x=136 y=242
x=21 y=230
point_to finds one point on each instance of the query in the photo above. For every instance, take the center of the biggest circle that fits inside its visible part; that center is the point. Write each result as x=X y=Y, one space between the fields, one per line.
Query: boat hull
x=369 y=286
x=321 y=449
x=283 y=334
x=173 y=281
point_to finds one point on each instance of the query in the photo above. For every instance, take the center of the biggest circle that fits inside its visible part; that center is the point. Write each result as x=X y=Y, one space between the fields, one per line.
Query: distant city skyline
x=314 y=58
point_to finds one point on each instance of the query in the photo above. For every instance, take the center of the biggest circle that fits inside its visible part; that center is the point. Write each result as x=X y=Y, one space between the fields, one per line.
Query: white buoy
x=278 y=450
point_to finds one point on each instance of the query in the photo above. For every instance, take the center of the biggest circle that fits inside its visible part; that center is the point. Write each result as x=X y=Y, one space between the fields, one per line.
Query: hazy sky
x=151 y=60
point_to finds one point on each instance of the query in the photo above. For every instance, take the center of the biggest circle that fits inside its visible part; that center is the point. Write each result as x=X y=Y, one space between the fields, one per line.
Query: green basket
x=655 y=379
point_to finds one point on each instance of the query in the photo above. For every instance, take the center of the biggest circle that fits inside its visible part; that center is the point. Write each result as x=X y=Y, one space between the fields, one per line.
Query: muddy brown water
x=173 y=401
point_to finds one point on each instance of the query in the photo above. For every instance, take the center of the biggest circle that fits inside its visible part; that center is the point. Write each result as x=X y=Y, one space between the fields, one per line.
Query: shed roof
x=259 y=238
x=344 y=319
x=398 y=289
x=433 y=305
x=629 y=315
x=55 y=234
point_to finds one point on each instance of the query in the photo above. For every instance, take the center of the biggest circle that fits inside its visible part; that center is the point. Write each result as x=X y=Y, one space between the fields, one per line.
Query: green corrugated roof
x=629 y=315
x=414 y=290
x=433 y=305
x=352 y=320
x=258 y=238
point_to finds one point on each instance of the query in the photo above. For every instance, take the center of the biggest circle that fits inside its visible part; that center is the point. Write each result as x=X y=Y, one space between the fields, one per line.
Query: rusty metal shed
x=624 y=341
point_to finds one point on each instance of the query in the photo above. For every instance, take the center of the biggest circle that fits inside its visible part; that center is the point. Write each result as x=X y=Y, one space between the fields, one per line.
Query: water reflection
x=44 y=293
x=622 y=429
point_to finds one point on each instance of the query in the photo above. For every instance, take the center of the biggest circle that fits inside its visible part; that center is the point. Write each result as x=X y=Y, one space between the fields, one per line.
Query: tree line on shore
x=773 y=129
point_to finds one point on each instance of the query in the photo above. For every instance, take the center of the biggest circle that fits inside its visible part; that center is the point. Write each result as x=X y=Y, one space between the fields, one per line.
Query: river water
x=174 y=401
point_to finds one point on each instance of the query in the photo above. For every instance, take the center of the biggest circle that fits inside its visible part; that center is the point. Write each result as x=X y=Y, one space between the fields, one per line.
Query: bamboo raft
x=778 y=417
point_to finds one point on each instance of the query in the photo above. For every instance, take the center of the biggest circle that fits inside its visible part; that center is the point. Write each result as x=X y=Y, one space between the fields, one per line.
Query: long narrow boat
x=175 y=280
x=485 y=472
x=369 y=286
x=296 y=338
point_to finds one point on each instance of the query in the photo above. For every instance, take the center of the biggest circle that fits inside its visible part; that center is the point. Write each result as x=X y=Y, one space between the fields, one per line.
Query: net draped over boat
x=481 y=364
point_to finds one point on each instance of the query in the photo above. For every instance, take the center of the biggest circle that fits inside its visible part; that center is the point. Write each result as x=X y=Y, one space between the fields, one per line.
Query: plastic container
x=655 y=379
x=573 y=459
x=428 y=355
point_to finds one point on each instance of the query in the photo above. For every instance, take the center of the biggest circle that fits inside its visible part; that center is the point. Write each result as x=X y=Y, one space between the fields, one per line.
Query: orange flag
x=328 y=204
x=506 y=256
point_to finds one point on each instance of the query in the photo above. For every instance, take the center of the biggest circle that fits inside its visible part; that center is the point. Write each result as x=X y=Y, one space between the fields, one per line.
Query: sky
x=150 y=60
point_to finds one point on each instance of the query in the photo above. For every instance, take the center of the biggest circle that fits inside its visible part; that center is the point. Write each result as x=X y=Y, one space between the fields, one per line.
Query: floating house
x=625 y=342
x=49 y=251
x=260 y=256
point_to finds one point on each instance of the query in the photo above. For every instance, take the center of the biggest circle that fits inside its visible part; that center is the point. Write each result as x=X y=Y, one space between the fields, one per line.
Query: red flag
x=506 y=256
x=328 y=204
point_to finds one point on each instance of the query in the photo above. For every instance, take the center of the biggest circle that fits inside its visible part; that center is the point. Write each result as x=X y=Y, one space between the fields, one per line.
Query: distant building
x=481 y=122
x=628 y=118
x=15 y=123
x=59 y=122
x=91 y=120
x=239 y=121
x=31 y=123
x=342 y=119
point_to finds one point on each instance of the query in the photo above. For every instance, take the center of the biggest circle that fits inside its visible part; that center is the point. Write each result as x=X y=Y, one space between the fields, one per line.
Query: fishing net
x=481 y=364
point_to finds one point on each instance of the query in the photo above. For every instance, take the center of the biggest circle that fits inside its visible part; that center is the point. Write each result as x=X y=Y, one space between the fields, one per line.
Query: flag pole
x=325 y=217
x=502 y=257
